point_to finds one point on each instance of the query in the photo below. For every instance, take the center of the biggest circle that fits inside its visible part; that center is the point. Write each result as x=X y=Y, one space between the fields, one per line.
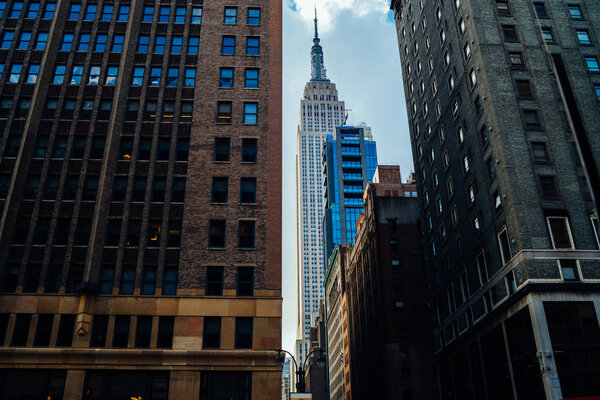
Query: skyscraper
x=140 y=183
x=502 y=99
x=320 y=112
x=349 y=162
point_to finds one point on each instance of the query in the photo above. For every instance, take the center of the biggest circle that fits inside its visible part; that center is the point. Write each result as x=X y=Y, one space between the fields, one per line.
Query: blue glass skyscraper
x=349 y=163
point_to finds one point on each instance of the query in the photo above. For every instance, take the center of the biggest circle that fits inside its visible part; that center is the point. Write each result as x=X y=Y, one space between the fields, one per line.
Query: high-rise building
x=349 y=162
x=286 y=381
x=320 y=112
x=140 y=189
x=504 y=113
x=389 y=341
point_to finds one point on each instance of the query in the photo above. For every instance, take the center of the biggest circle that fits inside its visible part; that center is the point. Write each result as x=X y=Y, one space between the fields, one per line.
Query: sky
x=361 y=57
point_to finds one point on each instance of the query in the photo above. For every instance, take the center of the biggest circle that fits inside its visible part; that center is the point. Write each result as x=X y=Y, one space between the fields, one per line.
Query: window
x=176 y=44
x=465 y=163
x=164 y=338
x=111 y=76
x=66 y=328
x=245 y=281
x=94 y=77
x=224 y=112
x=460 y=134
x=190 y=77
x=143 y=44
x=21 y=330
x=7 y=38
x=510 y=33
x=15 y=73
x=473 y=77
x=220 y=189
x=516 y=59
x=143 y=331
x=228 y=45
x=249 y=150
x=547 y=35
x=540 y=10
x=524 y=89
x=84 y=42
x=127 y=279
x=222 y=146
x=76 y=74
x=467 y=50
x=49 y=11
x=532 y=119
x=253 y=16
x=230 y=15
x=575 y=12
x=107 y=11
x=182 y=149
x=160 y=43
x=159 y=186
x=118 y=41
x=90 y=12
x=505 y=250
x=155 y=73
x=214 y=281
x=16 y=9
x=248 y=191
x=597 y=90
x=174 y=233
x=172 y=76
x=560 y=232
x=246 y=234
x=226 y=78
x=193 y=45
x=549 y=187
x=211 y=333
x=169 y=287
x=503 y=7
x=101 y=41
x=121 y=333
x=196 y=15
x=216 y=234
x=491 y=169
x=123 y=14
x=583 y=37
x=34 y=70
x=148 y=14
x=592 y=64
x=40 y=43
x=243 y=333
x=250 y=113
x=442 y=36
x=180 y=15
x=540 y=153
x=138 y=76
x=451 y=82
x=450 y=186
x=99 y=329
x=163 y=15
x=252 y=46
x=148 y=280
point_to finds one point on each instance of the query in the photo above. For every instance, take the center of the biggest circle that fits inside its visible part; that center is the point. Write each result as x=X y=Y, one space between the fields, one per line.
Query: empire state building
x=320 y=112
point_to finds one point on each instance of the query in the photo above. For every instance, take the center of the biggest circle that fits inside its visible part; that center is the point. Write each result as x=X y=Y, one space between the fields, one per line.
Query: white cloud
x=328 y=10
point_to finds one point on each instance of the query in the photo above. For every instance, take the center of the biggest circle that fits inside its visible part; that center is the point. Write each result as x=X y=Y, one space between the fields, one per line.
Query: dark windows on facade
x=66 y=330
x=246 y=234
x=575 y=12
x=143 y=331
x=560 y=232
x=222 y=149
x=164 y=338
x=248 y=191
x=214 y=281
x=211 y=333
x=548 y=36
x=224 y=112
x=121 y=332
x=510 y=33
x=249 y=150
x=503 y=7
x=504 y=242
x=540 y=152
x=549 y=187
x=532 y=119
x=540 y=10
x=243 y=333
x=220 y=188
x=583 y=37
x=592 y=64
x=99 y=331
x=245 y=281
x=524 y=89
x=216 y=234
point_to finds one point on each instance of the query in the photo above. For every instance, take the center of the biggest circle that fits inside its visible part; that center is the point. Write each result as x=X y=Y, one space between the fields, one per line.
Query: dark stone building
x=388 y=313
x=503 y=104
x=140 y=182
x=316 y=375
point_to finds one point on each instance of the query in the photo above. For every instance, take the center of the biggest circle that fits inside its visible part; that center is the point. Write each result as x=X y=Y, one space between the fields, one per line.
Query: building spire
x=318 y=65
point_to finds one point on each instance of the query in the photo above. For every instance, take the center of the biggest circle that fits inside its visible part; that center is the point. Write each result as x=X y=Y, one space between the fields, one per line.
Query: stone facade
x=498 y=93
x=106 y=248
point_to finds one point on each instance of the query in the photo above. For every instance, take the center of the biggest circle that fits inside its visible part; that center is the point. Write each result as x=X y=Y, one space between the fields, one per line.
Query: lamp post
x=300 y=384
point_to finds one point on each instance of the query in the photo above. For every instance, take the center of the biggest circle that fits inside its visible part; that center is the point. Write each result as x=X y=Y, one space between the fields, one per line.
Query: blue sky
x=362 y=59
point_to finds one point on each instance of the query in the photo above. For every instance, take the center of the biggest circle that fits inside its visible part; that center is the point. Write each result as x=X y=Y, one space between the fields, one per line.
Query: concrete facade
x=504 y=128
x=112 y=262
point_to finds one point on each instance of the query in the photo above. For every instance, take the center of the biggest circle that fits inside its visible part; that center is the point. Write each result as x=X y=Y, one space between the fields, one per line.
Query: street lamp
x=300 y=384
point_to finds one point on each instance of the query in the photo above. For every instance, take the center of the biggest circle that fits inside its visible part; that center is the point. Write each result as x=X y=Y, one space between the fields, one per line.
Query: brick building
x=504 y=114
x=140 y=183
x=388 y=313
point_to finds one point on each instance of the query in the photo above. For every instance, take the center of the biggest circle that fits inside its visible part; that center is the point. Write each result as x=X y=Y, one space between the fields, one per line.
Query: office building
x=140 y=184
x=504 y=114
x=349 y=162
x=320 y=112
x=388 y=309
